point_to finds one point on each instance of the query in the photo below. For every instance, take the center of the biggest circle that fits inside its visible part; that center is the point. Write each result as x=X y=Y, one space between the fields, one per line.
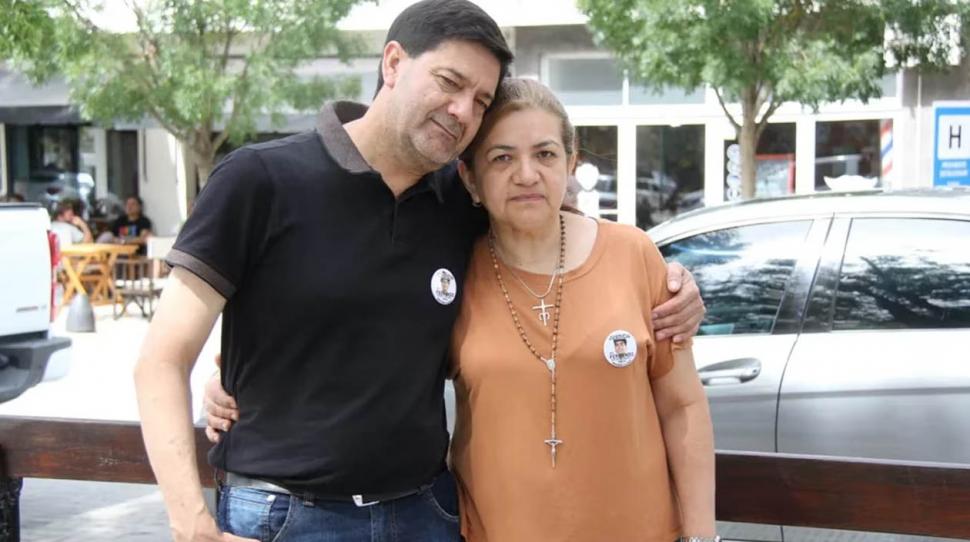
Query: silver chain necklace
x=542 y=307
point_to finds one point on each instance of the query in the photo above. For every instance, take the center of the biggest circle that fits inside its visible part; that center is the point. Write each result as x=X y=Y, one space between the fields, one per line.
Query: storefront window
x=585 y=81
x=123 y=162
x=847 y=154
x=670 y=172
x=775 y=158
x=642 y=95
x=596 y=170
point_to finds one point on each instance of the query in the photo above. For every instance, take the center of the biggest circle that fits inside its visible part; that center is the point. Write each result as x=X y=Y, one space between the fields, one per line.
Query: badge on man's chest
x=444 y=287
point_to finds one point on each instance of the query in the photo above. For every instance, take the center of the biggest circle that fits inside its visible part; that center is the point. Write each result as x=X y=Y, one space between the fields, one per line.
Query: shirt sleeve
x=228 y=228
x=662 y=355
x=144 y=224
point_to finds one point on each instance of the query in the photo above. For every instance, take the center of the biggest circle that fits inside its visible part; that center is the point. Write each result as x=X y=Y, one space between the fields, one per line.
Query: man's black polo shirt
x=336 y=330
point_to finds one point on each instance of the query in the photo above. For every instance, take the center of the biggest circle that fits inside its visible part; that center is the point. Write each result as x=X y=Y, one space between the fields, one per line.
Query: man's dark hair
x=67 y=205
x=136 y=198
x=425 y=25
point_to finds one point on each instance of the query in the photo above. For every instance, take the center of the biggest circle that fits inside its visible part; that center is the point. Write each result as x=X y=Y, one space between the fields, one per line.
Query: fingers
x=684 y=322
x=218 y=360
x=218 y=418
x=212 y=435
x=692 y=329
x=217 y=396
x=677 y=275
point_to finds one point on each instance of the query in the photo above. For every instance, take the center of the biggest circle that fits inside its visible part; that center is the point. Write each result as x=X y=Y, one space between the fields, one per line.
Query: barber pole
x=886 y=150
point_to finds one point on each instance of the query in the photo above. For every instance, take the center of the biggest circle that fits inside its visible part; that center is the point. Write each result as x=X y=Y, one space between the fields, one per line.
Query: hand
x=221 y=410
x=205 y=530
x=78 y=221
x=680 y=316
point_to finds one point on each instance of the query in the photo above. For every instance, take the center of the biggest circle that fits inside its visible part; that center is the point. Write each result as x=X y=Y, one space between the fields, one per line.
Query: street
x=98 y=386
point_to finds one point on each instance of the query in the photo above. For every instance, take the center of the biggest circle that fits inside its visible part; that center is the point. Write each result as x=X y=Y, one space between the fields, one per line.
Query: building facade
x=645 y=155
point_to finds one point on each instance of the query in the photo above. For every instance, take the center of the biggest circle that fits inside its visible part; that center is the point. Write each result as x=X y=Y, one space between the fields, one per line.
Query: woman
x=573 y=423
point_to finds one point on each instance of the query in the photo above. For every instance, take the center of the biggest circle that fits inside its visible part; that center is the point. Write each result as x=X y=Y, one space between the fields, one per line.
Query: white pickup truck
x=29 y=353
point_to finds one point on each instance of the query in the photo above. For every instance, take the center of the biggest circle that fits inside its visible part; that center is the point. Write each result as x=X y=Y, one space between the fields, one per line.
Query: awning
x=46 y=115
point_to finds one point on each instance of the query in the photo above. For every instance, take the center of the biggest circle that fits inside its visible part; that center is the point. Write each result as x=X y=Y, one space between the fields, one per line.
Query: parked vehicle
x=29 y=353
x=49 y=187
x=838 y=324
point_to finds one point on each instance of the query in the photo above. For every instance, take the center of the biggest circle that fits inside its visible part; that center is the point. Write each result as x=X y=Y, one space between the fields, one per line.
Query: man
x=69 y=227
x=133 y=227
x=302 y=244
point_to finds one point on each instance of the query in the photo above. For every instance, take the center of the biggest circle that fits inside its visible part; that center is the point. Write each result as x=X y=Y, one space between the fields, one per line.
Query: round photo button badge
x=620 y=348
x=444 y=287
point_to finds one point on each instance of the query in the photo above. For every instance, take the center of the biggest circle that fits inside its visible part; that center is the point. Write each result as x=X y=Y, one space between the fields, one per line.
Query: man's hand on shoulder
x=680 y=316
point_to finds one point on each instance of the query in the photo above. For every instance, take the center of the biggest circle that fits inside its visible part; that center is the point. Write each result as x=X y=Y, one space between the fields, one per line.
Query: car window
x=904 y=273
x=742 y=273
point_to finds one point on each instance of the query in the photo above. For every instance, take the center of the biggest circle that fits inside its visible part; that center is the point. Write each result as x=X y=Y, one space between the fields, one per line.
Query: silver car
x=838 y=324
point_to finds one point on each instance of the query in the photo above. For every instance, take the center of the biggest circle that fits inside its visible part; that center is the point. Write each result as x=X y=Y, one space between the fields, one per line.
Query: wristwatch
x=714 y=538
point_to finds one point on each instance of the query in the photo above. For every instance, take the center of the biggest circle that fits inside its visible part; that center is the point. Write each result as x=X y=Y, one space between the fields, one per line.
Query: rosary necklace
x=553 y=441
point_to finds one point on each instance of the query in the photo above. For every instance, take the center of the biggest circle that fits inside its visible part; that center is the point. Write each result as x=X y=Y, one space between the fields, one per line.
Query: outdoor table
x=92 y=263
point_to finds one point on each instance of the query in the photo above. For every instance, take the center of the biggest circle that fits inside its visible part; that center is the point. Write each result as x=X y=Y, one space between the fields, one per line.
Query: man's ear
x=468 y=179
x=394 y=56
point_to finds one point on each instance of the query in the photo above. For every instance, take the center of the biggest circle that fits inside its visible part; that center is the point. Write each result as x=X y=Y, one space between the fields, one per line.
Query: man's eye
x=483 y=104
x=447 y=83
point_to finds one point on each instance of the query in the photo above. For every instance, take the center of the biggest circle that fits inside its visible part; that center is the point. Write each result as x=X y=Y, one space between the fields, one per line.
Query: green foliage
x=763 y=53
x=787 y=50
x=205 y=70
x=27 y=33
x=194 y=65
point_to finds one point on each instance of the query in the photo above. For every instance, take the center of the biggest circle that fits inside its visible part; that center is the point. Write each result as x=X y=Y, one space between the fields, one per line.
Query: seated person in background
x=131 y=228
x=68 y=226
x=12 y=197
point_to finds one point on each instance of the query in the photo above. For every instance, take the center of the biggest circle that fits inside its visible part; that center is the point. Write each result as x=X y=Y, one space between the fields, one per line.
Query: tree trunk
x=749 y=146
x=203 y=167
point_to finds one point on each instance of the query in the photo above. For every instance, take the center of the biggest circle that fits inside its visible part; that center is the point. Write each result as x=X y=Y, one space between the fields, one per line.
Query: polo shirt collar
x=330 y=128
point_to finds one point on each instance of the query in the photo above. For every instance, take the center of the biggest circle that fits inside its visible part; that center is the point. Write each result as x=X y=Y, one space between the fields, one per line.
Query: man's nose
x=462 y=108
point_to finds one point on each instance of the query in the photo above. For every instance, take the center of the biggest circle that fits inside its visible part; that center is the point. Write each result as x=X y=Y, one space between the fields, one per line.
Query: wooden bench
x=904 y=498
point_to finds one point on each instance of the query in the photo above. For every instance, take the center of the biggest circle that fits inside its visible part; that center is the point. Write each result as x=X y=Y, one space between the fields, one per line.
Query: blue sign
x=951 y=147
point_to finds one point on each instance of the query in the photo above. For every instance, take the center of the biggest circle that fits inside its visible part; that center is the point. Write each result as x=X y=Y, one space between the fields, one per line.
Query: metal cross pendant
x=553 y=442
x=543 y=313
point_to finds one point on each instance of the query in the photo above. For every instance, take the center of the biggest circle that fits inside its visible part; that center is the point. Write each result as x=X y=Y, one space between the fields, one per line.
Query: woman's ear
x=468 y=179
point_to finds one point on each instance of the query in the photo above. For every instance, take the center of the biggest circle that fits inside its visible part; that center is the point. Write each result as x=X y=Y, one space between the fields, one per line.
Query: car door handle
x=734 y=371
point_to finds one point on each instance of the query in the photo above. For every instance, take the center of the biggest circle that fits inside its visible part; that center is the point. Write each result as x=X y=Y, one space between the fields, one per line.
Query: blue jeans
x=428 y=516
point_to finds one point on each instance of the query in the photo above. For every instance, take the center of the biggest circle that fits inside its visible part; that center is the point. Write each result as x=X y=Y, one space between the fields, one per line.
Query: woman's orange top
x=611 y=480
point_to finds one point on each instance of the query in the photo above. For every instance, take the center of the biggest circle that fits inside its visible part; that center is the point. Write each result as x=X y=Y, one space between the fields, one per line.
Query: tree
x=763 y=53
x=203 y=70
x=26 y=32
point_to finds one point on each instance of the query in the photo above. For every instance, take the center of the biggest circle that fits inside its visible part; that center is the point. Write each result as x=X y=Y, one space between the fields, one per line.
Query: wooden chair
x=136 y=281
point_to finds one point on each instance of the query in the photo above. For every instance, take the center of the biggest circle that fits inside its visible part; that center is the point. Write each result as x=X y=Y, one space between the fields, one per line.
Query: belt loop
x=359 y=501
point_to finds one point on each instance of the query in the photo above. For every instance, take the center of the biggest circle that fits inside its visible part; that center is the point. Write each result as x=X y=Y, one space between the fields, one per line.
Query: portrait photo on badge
x=444 y=287
x=620 y=348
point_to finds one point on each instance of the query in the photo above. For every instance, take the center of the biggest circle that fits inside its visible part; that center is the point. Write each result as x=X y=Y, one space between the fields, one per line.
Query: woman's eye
x=501 y=158
x=545 y=155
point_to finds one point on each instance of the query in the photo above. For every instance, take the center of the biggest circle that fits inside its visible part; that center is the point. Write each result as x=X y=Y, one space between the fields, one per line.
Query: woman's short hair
x=517 y=94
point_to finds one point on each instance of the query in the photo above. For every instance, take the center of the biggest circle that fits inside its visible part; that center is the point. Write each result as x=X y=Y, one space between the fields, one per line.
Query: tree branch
x=720 y=100
x=772 y=107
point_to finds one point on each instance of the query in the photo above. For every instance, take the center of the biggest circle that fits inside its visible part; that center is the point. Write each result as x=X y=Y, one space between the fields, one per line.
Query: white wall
x=161 y=180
